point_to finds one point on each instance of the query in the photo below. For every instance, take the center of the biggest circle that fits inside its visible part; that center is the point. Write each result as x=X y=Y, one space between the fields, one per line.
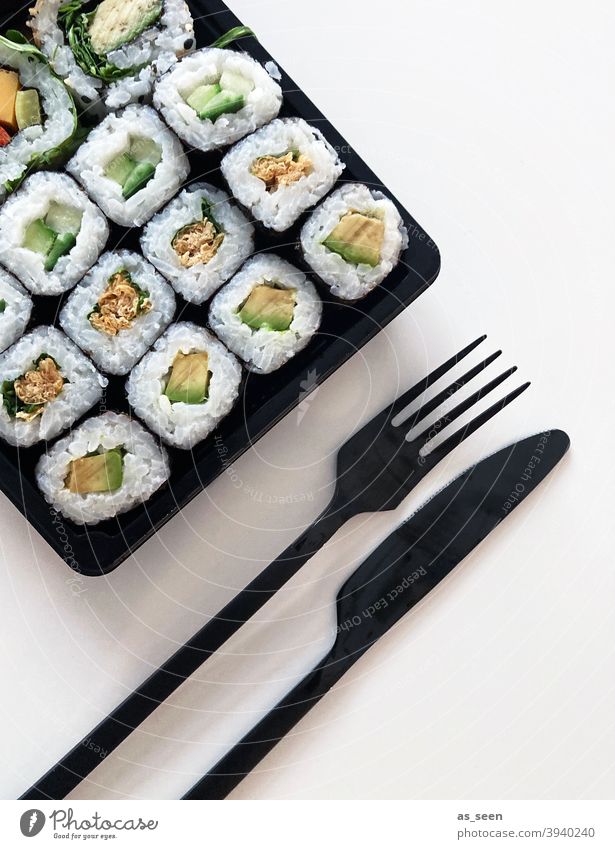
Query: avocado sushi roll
x=15 y=309
x=106 y=466
x=131 y=164
x=185 y=386
x=281 y=170
x=109 y=53
x=50 y=233
x=46 y=384
x=267 y=313
x=37 y=115
x=119 y=309
x=354 y=240
x=214 y=97
x=198 y=241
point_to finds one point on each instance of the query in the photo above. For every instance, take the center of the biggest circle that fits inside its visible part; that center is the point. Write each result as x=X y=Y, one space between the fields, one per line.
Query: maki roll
x=214 y=97
x=198 y=241
x=185 y=386
x=50 y=233
x=116 y=313
x=37 y=114
x=281 y=170
x=109 y=52
x=354 y=240
x=267 y=313
x=46 y=384
x=106 y=466
x=15 y=309
x=131 y=164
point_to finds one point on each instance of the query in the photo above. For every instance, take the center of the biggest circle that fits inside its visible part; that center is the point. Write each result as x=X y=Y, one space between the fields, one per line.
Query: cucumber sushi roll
x=198 y=241
x=267 y=313
x=15 y=309
x=116 y=313
x=50 y=233
x=37 y=115
x=131 y=164
x=354 y=240
x=106 y=466
x=185 y=386
x=46 y=384
x=110 y=52
x=281 y=170
x=214 y=97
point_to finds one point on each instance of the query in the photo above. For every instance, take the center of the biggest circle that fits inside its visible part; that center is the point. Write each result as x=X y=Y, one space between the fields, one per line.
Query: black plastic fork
x=377 y=468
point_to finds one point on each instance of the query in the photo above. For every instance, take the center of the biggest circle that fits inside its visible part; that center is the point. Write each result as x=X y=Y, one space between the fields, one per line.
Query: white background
x=493 y=124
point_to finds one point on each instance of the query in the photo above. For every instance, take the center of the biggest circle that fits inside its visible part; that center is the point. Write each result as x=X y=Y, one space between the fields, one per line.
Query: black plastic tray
x=264 y=400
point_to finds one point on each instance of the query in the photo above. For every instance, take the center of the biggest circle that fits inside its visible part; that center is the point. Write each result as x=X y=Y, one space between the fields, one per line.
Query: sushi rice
x=260 y=95
x=82 y=387
x=145 y=468
x=264 y=350
x=33 y=202
x=138 y=60
x=194 y=279
x=182 y=424
x=15 y=309
x=348 y=280
x=116 y=350
x=308 y=168
x=113 y=140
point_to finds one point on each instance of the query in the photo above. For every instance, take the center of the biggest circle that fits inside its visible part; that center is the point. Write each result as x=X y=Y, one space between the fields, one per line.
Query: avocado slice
x=117 y=22
x=120 y=168
x=268 y=307
x=27 y=108
x=189 y=380
x=39 y=237
x=223 y=103
x=97 y=473
x=358 y=239
x=201 y=96
x=63 y=244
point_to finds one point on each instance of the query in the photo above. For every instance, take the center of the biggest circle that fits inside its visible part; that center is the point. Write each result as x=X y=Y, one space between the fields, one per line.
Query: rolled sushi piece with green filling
x=110 y=52
x=15 y=309
x=105 y=467
x=38 y=119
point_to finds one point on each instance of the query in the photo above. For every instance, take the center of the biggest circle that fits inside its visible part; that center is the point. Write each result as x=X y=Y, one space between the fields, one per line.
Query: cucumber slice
x=63 y=219
x=120 y=168
x=62 y=245
x=145 y=150
x=140 y=175
x=234 y=82
x=2 y=305
x=39 y=237
x=201 y=96
x=27 y=108
x=222 y=104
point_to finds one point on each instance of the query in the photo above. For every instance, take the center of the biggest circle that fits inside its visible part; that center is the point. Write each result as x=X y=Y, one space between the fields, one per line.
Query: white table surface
x=493 y=124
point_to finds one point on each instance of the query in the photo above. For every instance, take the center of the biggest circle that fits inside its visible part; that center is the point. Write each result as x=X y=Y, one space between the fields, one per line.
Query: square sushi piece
x=15 y=309
x=281 y=170
x=267 y=313
x=198 y=241
x=105 y=467
x=131 y=164
x=50 y=233
x=119 y=309
x=354 y=240
x=46 y=384
x=185 y=386
x=213 y=97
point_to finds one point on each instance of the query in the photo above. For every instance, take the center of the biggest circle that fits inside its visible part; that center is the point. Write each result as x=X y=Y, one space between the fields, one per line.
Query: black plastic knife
x=393 y=579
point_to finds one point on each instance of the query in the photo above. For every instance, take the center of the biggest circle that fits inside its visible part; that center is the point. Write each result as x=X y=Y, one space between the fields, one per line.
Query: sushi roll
x=50 y=233
x=109 y=53
x=198 y=241
x=46 y=384
x=185 y=386
x=105 y=467
x=267 y=313
x=281 y=170
x=131 y=164
x=116 y=313
x=354 y=240
x=37 y=115
x=214 y=97
x=15 y=309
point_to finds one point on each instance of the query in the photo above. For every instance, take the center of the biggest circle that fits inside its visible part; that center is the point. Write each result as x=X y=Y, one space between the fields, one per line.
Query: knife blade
x=413 y=560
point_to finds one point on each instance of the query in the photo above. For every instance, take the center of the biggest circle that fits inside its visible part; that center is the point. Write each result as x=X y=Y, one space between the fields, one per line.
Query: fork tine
x=416 y=391
x=464 y=432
